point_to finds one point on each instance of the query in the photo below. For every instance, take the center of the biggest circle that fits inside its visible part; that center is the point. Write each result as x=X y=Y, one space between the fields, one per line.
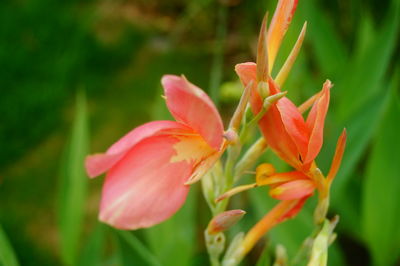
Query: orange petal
x=295 y=210
x=281 y=178
x=279 y=24
x=337 y=158
x=293 y=190
x=315 y=122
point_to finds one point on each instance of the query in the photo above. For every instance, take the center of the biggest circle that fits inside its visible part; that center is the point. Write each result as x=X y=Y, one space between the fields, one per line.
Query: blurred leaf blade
x=138 y=247
x=93 y=249
x=7 y=254
x=380 y=209
x=365 y=75
x=73 y=184
x=183 y=224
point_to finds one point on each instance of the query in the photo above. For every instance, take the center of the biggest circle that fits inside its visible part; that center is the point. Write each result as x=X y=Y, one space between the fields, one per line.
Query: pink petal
x=99 y=163
x=246 y=72
x=315 y=122
x=147 y=186
x=191 y=106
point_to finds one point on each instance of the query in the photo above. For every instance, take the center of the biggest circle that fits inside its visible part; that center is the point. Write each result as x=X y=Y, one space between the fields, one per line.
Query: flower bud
x=224 y=221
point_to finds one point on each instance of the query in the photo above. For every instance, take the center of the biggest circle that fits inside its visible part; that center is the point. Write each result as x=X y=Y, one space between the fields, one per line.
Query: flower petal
x=191 y=106
x=315 y=122
x=293 y=190
x=294 y=210
x=147 y=186
x=337 y=158
x=279 y=24
x=281 y=178
x=99 y=163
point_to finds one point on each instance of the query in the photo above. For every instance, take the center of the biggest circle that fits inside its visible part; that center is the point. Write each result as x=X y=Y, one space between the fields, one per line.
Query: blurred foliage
x=117 y=52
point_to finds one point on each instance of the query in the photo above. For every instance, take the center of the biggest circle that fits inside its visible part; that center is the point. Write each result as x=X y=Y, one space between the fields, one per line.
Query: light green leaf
x=73 y=184
x=380 y=203
x=7 y=255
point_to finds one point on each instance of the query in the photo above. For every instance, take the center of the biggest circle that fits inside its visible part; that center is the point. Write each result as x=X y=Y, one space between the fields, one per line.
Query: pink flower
x=149 y=169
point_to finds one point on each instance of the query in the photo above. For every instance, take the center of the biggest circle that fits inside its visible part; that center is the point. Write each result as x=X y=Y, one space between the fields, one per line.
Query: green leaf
x=380 y=203
x=173 y=241
x=328 y=48
x=93 y=249
x=138 y=247
x=73 y=184
x=361 y=128
x=7 y=254
x=365 y=74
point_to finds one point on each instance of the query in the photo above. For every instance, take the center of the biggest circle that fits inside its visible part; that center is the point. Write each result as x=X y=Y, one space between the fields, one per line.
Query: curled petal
x=147 y=186
x=296 y=189
x=191 y=106
x=315 y=122
x=99 y=163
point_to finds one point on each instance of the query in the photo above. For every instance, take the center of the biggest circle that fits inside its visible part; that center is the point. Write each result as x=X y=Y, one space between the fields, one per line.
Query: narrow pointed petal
x=99 y=163
x=315 y=122
x=262 y=52
x=278 y=27
x=191 y=106
x=147 y=186
x=287 y=66
x=337 y=158
x=281 y=178
x=293 y=190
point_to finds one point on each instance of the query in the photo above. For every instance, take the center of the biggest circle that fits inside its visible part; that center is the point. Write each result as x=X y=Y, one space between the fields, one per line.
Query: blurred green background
x=71 y=66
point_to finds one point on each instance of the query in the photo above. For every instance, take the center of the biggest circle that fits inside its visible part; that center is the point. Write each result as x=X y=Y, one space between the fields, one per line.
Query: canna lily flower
x=295 y=140
x=149 y=169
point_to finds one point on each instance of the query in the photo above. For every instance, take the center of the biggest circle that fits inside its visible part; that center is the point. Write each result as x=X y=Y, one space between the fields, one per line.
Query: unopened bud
x=270 y=100
x=263 y=89
x=281 y=256
x=224 y=221
x=231 y=136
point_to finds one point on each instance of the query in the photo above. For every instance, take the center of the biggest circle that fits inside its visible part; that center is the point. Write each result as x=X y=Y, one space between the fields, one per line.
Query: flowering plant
x=149 y=170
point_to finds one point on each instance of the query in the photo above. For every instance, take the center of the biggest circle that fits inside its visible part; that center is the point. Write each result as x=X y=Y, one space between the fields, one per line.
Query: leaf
x=361 y=128
x=138 y=247
x=328 y=48
x=73 y=184
x=365 y=75
x=173 y=241
x=7 y=254
x=93 y=249
x=380 y=202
